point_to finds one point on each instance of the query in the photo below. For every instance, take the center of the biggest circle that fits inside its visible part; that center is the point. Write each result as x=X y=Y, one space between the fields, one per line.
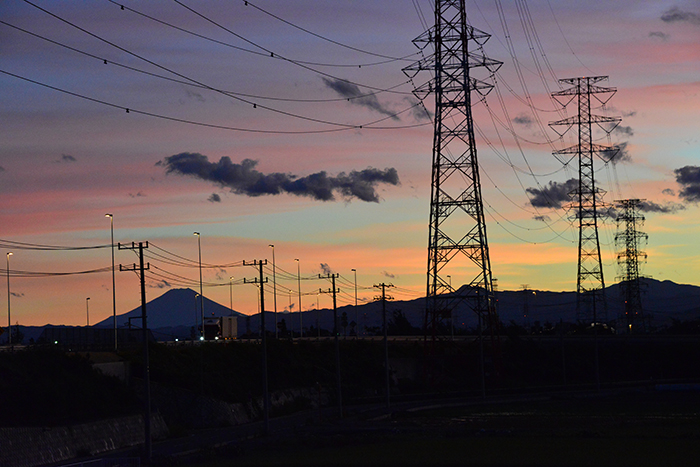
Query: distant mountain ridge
x=174 y=314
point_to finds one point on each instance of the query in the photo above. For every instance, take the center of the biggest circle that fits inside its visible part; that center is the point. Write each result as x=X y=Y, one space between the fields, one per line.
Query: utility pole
x=590 y=284
x=457 y=230
x=301 y=323
x=336 y=331
x=144 y=326
x=263 y=339
x=387 y=374
x=629 y=239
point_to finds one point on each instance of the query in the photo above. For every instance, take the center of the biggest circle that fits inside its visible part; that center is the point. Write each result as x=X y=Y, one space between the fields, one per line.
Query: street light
x=87 y=309
x=114 y=292
x=301 y=328
x=230 y=287
x=201 y=292
x=274 y=285
x=357 y=312
x=9 y=320
x=452 y=324
x=194 y=332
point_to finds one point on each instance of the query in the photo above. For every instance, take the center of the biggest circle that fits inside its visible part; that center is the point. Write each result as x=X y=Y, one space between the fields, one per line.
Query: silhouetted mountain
x=173 y=314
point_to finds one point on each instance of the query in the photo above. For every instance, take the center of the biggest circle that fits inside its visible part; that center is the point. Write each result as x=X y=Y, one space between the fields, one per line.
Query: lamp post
x=274 y=285
x=194 y=333
x=9 y=319
x=230 y=289
x=357 y=312
x=87 y=310
x=201 y=292
x=452 y=324
x=114 y=292
x=301 y=328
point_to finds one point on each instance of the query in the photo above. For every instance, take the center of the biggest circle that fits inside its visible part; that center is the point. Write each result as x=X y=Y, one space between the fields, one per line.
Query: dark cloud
x=17 y=294
x=214 y=198
x=541 y=218
x=669 y=192
x=631 y=113
x=524 y=120
x=355 y=96
x=326 y=269
x=222 y=274
x=195 y=95
x=676 y=15
x=66 y=158
x=418 y=110
x=387 y=274
x=650 y=206
x=553 y=195
x=624 y=130
x=689 y=179
x=140 y=194
x=2 y=169
x=617 y=154
x=660 y=35
x=244 y=179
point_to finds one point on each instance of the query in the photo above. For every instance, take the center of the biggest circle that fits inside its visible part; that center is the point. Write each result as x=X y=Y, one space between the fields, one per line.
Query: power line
x=232 y=96
x=389 y=59
x=107 y=61
x=10 y=244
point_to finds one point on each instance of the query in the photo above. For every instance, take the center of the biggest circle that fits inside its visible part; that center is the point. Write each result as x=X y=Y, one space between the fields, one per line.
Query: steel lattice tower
x=590 y=284
x=629 y=240
x=457 y=244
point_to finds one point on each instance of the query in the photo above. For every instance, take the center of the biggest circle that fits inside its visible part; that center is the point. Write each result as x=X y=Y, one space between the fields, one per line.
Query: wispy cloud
x=66 y=158
x=326 y=269
x=689 y=179
x=140 y=194
x=355 y=96
x=244 y=179
x=676 y=15
x=159 y=284
x=624 y=130
x=553 y=195
x=523 y=119
x=388 y=274
x=659 y=35
x=618 y=154
x=669 y=207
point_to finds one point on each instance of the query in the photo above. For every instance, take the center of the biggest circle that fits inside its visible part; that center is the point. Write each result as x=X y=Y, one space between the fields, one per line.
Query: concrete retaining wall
x=34 y=446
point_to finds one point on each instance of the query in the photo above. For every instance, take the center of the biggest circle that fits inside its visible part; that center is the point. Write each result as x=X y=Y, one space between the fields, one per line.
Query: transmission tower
x=590 y=284
x=457 y=244
x=629 y=240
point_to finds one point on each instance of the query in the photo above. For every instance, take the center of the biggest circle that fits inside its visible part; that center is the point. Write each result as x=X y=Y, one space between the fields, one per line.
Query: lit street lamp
x=87 y=309
x=201 y=292
x=114 y=292
x=9 y=319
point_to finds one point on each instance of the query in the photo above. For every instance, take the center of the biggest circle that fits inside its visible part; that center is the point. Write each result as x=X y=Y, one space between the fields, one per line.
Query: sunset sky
x=244 y=125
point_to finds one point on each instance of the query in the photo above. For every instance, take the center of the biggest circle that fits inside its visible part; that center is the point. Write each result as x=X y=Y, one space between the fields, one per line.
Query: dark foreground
x=631 y=428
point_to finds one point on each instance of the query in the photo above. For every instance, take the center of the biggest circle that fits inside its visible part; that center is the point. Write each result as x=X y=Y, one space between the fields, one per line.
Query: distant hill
x=172 y=315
